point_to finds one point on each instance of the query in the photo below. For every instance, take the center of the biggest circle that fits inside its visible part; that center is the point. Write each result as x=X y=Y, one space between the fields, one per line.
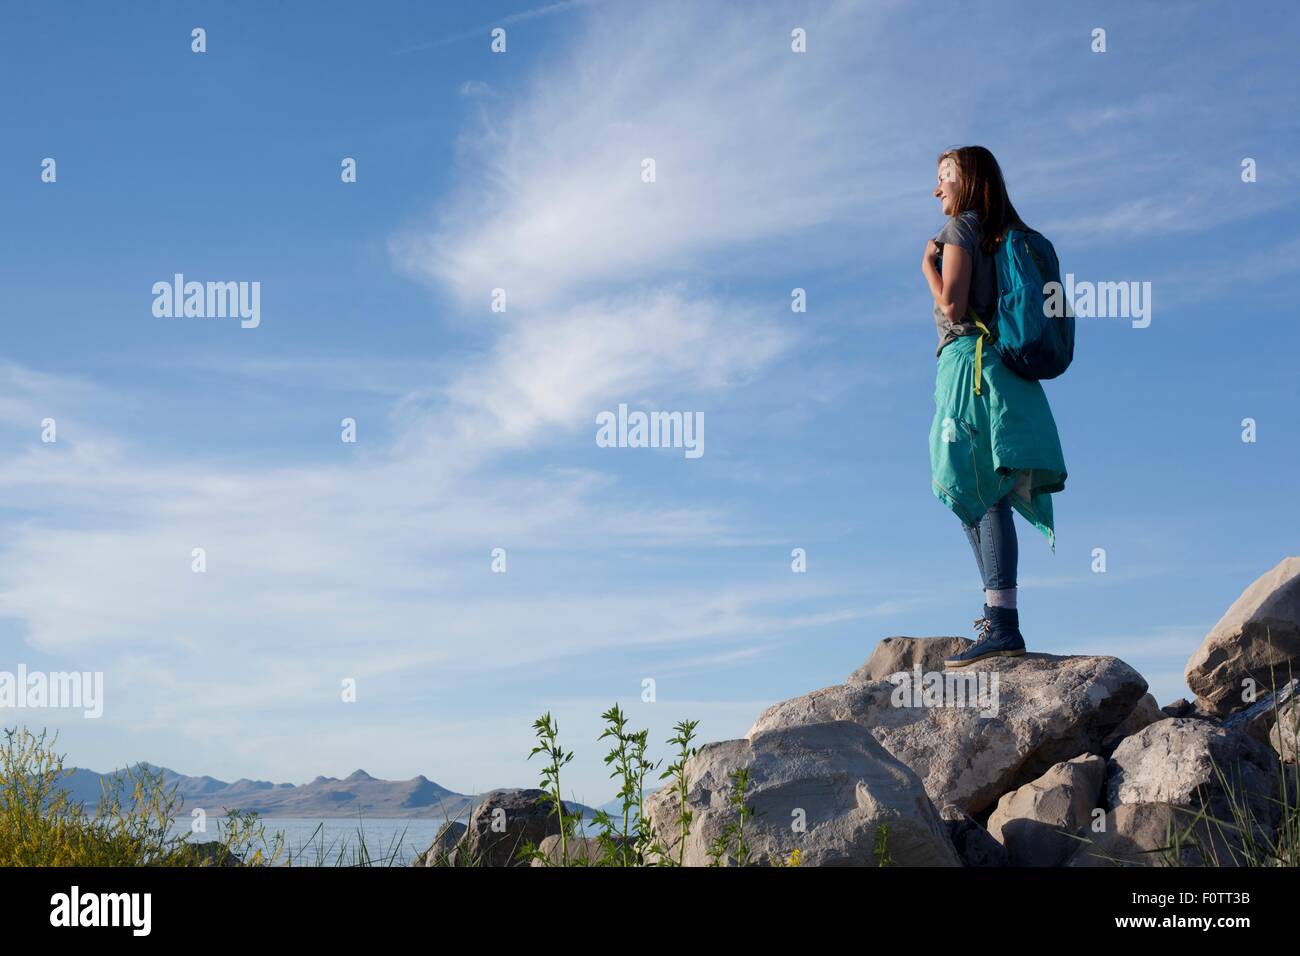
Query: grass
x=40 y=825
x=133 y=822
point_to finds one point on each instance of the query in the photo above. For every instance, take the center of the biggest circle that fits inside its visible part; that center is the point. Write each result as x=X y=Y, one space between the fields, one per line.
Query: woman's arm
x=951 y=290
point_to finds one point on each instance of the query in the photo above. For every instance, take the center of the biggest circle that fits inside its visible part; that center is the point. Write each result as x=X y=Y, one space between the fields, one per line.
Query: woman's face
x=946 y=190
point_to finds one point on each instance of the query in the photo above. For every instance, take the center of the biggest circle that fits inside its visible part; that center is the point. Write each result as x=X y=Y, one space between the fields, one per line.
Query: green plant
x=547 y=731
x=630 y=845
x=132 y=824
x=793 y=858
x=731 y=843
x=684 y=733
x=880 y=848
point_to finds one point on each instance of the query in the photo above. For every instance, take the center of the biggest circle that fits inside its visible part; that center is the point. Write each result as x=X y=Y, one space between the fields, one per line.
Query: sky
x=372 y=561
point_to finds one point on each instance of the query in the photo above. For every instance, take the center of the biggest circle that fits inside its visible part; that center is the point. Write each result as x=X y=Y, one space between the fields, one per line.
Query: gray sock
x=1004 y=598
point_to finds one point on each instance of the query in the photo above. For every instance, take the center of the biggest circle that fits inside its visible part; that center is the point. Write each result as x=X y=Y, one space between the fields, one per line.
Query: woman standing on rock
x=993 y=442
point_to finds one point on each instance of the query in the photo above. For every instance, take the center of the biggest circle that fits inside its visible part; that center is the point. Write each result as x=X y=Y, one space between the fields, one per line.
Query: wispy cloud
x=750 y=143
x=523 y=16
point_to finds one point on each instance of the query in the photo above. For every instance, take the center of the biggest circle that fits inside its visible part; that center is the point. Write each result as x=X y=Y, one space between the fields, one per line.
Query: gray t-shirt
x=964 y=231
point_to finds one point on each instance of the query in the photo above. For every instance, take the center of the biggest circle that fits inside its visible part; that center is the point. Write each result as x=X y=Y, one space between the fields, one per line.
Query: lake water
x=388 y=842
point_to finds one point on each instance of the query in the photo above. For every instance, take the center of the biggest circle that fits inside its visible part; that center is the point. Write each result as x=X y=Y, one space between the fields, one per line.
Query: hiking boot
x=999 y=636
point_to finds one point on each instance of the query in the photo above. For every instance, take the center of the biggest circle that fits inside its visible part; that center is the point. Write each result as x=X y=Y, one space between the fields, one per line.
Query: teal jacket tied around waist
x=1002 y=440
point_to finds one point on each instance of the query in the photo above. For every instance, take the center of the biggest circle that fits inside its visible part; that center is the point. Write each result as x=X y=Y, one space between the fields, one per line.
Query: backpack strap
x=979 y=346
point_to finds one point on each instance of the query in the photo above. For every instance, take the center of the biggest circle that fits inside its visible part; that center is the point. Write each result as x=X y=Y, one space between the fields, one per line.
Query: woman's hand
x=929 y=258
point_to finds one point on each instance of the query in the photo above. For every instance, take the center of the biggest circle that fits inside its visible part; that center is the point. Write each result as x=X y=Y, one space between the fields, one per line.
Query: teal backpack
x=1032 y=341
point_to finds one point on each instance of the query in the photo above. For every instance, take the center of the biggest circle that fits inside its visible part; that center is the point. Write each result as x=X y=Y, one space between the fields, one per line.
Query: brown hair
x=980 y=187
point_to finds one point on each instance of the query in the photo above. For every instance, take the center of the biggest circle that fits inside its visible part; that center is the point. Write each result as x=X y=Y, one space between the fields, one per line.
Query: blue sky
x=476 y=429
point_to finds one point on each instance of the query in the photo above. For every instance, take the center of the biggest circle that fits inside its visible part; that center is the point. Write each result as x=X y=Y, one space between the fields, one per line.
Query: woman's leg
x=973 y=535
x=993 y=539
x=1001 y=554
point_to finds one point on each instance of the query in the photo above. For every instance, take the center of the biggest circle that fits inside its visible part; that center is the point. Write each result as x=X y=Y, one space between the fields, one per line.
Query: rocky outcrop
x=1155 y=834
x=1175 y=760
x=1037 y=746
x=1258 y=638
x=1031 y=712
x=1036 y=822
x=827 y=789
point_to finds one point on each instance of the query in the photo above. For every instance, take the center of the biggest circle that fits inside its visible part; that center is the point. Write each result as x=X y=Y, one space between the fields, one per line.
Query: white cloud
x=751 y=142
x=558 y=371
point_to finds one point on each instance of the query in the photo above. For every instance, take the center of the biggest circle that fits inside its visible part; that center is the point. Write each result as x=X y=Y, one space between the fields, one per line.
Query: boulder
x=1155 y=834
x=1258 y=637
x=973 y=844
x=1285 y=736
x=446 y=837
x=1036 y=710
x=500 y=825
x=210 y=853
x=1036 y=823
x=894 y=654
x=1146 y=712
x=832 y=778
x=1174 y=761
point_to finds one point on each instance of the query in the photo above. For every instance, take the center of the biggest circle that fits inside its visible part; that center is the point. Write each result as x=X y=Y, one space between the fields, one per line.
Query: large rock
x=894 y=654
x=973 y=844
x=1285 y=737
x=500 y=826
x=1156 y=834
x=833 y=777
x=1259 y=638
x=1046 y=709
x=1175 y=760
x=1036 y=823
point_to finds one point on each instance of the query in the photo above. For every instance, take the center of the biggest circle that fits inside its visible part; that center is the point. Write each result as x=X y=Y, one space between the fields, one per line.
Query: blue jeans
x=993 y=539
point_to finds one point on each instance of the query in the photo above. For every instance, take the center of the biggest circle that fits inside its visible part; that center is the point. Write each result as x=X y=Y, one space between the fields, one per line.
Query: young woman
x=993 y=442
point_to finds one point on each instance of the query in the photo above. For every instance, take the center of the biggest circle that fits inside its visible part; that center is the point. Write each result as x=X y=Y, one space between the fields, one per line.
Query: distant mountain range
x=357 y=795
